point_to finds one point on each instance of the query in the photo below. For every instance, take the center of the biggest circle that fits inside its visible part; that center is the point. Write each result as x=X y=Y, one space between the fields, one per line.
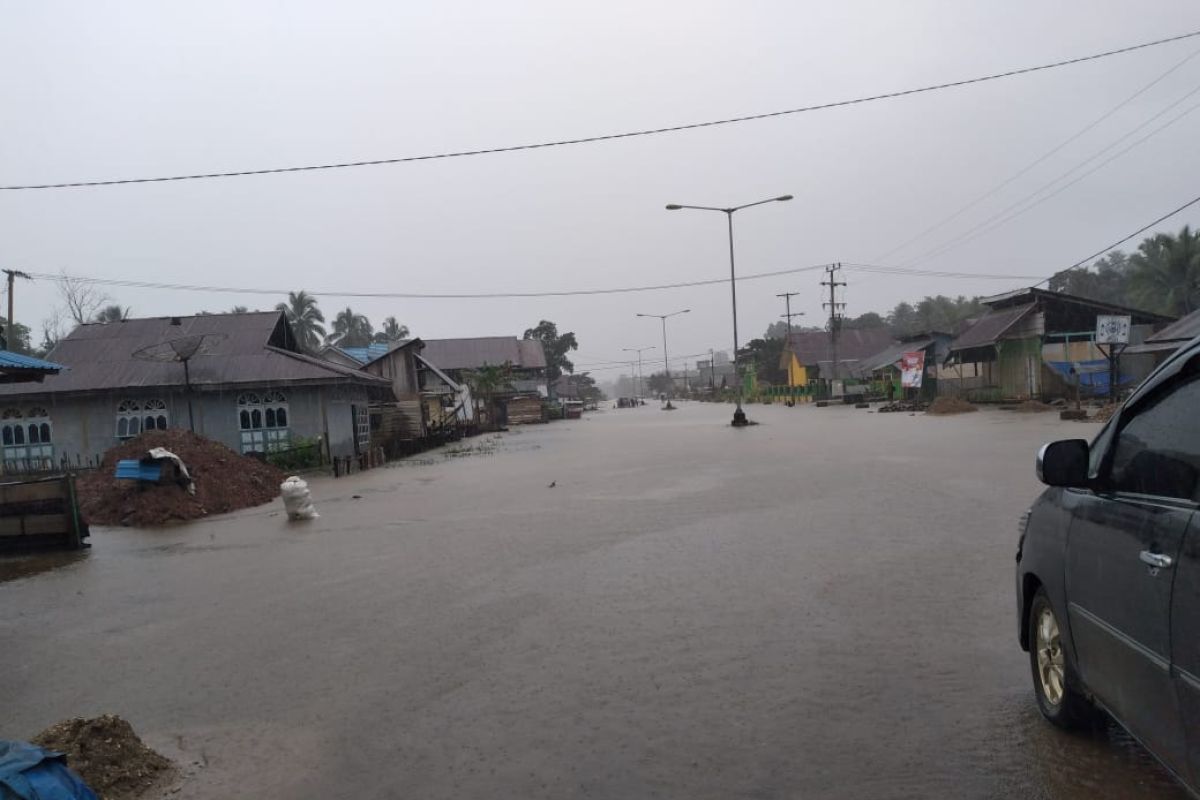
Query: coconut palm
x=1166 y=275
x=486 y=382
x=392 y=331
x=112 y=313
x=351 y=329
x=306 y=319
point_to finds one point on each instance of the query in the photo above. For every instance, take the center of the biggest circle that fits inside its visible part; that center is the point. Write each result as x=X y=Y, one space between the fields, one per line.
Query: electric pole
x=787 y=343
x=835 y=317
x=712 y=372
x=12 y=274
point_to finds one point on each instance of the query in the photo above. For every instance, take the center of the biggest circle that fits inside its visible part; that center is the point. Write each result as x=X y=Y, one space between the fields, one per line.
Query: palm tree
x=1166 y=273
x=306 y=319
x=392 y=331
x=351 y=329
x=112 y=313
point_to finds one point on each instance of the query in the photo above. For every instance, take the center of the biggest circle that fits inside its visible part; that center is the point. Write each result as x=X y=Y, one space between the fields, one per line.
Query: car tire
x=1054 y=681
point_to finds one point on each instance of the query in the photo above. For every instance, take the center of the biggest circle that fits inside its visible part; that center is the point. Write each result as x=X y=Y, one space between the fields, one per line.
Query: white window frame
x=27 y=436
x=264 y=422
x=136 y=416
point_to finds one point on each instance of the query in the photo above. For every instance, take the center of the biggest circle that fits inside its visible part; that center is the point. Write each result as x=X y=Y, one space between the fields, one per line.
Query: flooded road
x=817 y=607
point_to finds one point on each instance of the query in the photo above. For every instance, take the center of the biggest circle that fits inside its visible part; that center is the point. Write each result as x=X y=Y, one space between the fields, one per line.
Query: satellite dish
x=183 y=348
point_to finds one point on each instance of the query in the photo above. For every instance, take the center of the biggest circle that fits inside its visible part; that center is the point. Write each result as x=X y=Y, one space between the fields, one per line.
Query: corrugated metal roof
x=1181 y=330
x=813 y=347
x=1022 y=297
x=990 y=327
x=251 y=348
x=892 y=354
x=454 y=354
x=10 y=361
x=367 y=354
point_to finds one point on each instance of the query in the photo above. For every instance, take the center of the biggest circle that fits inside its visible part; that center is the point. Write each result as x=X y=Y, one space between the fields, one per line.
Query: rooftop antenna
x=182 y=349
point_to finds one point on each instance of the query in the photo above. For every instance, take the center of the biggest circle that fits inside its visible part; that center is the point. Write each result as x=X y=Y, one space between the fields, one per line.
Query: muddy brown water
x=817 y=607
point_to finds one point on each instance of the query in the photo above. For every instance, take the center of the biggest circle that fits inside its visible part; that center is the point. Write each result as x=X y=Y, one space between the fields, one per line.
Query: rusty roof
x=251 y=348
x=990 y=327
x=455 y=354
x=1183 y=329
x=813 y=347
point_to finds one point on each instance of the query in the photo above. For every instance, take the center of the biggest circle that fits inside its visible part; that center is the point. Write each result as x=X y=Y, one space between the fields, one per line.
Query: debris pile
x=107 y=754
x=1032 y=407
x=944 y=406
x=901 y=405
x=1105 y=413
x=224 y=481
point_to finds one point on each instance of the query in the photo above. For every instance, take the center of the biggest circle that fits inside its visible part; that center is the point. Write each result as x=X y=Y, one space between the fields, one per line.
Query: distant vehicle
x=1108 y=571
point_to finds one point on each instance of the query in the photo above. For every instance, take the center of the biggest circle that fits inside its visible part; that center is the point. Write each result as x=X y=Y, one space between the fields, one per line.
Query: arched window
x=27 y=437
x=135 y=416
x=263 y=420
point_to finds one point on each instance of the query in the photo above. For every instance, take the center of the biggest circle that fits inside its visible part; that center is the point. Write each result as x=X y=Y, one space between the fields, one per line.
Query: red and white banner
x=912 y=369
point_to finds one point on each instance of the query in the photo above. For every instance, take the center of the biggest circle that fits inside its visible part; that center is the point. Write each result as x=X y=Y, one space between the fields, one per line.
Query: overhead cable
x=1039 y=160
x=610 y=136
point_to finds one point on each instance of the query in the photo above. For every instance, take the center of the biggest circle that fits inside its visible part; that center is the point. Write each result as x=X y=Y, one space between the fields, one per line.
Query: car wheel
x=1053 y=674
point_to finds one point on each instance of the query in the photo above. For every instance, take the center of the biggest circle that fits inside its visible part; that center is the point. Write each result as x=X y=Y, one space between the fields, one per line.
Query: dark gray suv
x=1108 y=571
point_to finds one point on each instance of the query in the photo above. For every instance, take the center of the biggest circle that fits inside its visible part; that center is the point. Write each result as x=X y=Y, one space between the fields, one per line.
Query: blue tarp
x=31 y=773
x=1092 y=376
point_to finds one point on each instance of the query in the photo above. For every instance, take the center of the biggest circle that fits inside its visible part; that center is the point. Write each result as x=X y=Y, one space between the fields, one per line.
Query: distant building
x=808 y=356
x=248 y=386
x=521 y=400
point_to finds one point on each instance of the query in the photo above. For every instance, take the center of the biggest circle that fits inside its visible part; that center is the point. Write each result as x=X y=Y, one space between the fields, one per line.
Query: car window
x=1158 y=452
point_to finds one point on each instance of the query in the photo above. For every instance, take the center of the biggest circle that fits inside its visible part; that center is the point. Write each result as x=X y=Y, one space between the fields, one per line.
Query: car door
x=1185 y=641
x=1123 y=546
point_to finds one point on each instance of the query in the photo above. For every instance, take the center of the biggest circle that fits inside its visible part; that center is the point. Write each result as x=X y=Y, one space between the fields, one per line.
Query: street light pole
x=638 y=350
x=666 y=365
x=739 y=416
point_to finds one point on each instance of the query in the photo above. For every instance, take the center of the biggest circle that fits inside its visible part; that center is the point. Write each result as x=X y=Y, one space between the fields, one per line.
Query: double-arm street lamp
x=637 y=390
x=664 y=318
x=739 y=416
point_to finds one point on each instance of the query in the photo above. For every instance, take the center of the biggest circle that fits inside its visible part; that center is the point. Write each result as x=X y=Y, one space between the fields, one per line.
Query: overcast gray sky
x=117 y=89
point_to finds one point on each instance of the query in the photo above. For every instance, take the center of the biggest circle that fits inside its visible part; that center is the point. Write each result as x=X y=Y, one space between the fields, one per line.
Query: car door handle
x=1157 y=560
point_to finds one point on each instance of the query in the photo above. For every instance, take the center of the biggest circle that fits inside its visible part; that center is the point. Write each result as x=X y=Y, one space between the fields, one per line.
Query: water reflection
x=24 y=566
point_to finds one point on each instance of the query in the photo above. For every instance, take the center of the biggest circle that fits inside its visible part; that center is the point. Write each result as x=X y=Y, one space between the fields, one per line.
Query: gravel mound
x=225 y=481
x=943 y=406
x=107 y=754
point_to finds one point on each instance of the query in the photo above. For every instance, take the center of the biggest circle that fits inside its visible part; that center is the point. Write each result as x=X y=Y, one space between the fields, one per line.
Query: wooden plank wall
x=40 y=514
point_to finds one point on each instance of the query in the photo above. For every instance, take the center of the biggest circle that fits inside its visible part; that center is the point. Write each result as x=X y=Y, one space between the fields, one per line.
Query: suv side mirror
x=1064 y=463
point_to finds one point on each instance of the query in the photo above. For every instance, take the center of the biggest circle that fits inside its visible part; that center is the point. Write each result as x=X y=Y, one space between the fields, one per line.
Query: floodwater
x=820 y=606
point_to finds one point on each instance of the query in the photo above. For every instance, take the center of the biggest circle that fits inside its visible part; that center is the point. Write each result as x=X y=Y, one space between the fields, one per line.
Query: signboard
x=1112 y=329
x=912 y=369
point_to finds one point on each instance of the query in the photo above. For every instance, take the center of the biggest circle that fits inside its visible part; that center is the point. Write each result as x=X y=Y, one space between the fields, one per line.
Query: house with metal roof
x=521 y=399
x=1170 y=338
x=239 y=378
x=809 y=355
x=1037 y=343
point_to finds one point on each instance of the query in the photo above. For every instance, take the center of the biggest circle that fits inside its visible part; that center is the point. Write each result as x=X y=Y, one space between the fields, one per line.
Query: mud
x=820 y=606
x=107 y=755
x=944 y=406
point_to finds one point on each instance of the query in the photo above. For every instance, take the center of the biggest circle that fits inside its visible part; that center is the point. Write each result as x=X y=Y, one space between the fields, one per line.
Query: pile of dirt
x=107 y=754
x=1033 y=407
x=225 y=481
x=950 y=405
x=1105 y=413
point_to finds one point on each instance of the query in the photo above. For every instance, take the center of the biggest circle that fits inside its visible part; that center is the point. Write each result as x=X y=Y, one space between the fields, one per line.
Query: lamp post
x=739 y=416
x=638 y=388
x=663 y=318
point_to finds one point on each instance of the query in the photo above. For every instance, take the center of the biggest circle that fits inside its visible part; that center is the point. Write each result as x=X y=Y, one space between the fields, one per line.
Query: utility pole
x=787 y=301
x=835 y=317
x=712 y=372
x=12 y=274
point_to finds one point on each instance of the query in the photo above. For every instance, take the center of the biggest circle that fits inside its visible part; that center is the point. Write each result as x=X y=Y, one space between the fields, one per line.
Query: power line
x=611 y=136
x=1125 y=239
x=132 y=284
x=1039 y=160
x=1031 y=200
